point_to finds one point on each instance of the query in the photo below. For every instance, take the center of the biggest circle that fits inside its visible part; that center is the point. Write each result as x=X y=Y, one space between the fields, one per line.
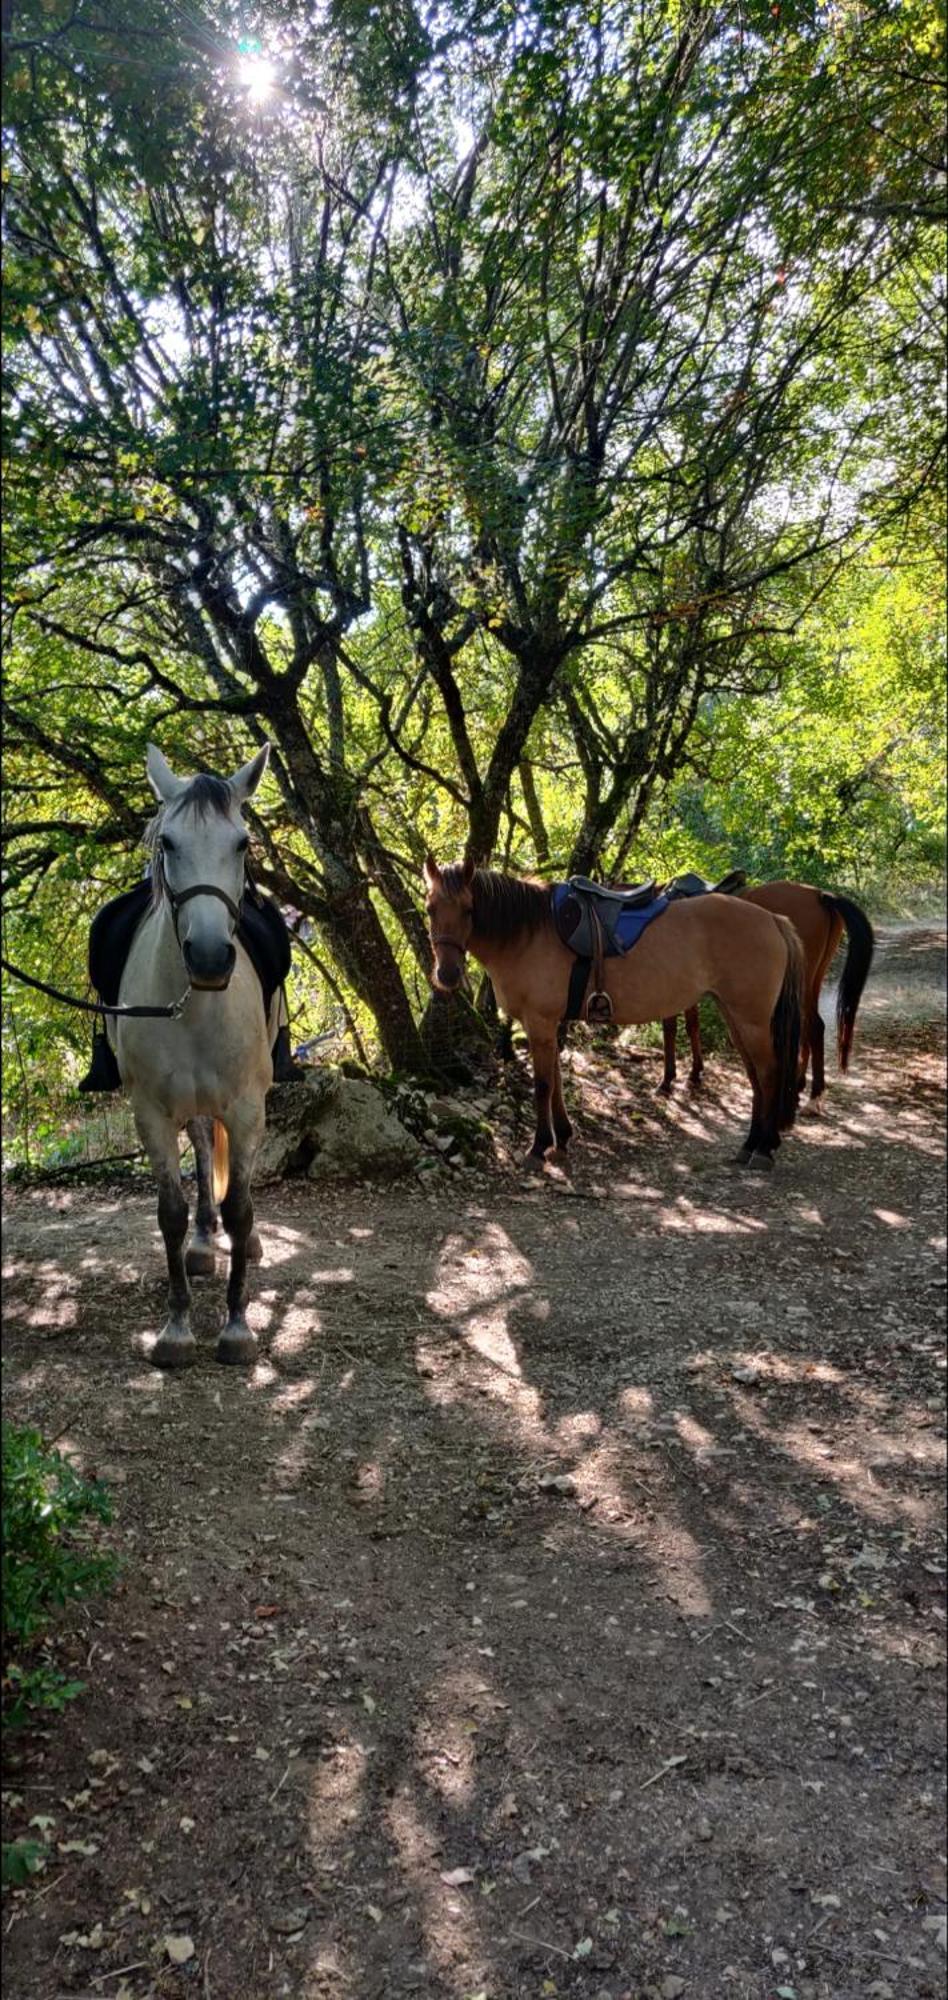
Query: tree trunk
x=358 y=941
x=325 y=805
x=456 y=1037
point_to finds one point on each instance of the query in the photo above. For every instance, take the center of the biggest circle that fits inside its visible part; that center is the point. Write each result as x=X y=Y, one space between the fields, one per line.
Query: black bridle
x=177 y=899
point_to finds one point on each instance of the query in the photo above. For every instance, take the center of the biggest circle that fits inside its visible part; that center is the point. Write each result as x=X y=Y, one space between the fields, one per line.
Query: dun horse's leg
x=201 y=1258
x=669 y=1037
x=238 y=1343
x=807 y=1039
x=176 y=1345
x=693 y=1025
x=817 y=1046
x=763 y=1138
x=543 y=1053
x=562 y=1123
x=756 y=1053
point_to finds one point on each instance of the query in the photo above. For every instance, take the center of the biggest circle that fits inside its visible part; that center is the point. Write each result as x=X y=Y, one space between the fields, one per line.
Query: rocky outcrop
x=333 y=1127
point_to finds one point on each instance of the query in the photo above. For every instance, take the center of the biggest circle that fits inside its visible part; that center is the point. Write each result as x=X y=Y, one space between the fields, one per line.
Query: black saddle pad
x=261 y=931
x=697 y=885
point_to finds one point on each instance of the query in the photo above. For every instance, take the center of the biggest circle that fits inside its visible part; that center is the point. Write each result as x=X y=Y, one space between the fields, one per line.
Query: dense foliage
x=525 y=416
x=48 y=1561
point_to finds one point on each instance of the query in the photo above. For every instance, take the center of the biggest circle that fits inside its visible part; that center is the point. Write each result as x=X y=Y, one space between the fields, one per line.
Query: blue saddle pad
x=621 y=928
x=632 y=923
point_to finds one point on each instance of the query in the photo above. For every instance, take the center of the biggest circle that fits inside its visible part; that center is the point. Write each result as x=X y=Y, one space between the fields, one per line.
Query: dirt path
x=379 y=1710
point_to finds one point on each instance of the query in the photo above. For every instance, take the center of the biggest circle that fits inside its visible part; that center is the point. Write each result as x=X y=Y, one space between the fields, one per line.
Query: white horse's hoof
x=237 y=1346
x=254 y=1247
x=174 y=1348
x=200 y=1260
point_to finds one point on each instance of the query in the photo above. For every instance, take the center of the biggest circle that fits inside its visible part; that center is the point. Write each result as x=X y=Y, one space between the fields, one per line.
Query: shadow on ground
x=556 y=1609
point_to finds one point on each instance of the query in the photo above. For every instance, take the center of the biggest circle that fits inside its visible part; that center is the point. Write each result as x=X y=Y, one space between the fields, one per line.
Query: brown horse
x=819 y=920
x=751 y=961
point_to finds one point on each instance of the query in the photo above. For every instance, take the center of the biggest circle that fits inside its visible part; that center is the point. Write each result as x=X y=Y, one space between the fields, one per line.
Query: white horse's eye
x=242 y=845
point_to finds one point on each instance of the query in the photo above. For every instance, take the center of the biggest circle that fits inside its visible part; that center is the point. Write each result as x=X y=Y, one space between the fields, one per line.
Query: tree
x=194 y=417
x=504 y=386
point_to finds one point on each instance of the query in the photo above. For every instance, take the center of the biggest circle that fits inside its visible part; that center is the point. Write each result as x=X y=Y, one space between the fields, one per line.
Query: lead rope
x=170 y=1013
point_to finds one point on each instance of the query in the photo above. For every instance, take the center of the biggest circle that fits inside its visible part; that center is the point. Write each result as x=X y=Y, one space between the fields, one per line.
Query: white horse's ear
x=248 y=778
x=431 y=872
x=161 y=777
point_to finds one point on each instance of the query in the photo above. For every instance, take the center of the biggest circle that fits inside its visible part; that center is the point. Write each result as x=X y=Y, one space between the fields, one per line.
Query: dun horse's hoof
x=664 y=1090
x=533 y=1164
x=237 y=1346
x=174 y=1349
x=744 y=1157
x=761 y=1163
x=200 y=1260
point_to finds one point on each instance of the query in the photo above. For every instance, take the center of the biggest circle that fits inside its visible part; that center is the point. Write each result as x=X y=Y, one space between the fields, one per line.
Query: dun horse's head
x=200 y=846
x=450 y=911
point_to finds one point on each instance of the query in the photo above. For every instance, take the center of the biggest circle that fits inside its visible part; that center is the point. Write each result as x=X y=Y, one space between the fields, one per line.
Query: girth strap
x=578 y=981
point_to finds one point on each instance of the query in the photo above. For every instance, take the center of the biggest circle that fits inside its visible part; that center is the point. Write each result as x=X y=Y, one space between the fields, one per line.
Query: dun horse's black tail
x=785 y=1023
x=855 y=971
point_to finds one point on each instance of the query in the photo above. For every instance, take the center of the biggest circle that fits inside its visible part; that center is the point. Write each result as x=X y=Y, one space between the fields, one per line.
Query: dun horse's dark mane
x=205 y=794
x=504 y=905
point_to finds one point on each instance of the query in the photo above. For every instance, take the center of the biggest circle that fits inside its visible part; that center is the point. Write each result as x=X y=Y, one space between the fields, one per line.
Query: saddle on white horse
x=262 y=932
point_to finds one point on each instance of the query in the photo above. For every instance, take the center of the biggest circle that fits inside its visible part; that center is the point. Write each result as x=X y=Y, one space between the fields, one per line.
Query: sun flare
x=258 y=77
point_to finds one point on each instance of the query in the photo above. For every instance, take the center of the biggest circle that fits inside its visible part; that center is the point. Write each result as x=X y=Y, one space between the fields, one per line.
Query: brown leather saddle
x=598 y=923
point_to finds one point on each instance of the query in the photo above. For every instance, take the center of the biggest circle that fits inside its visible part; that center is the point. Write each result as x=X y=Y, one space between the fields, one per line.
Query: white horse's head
x=200 y=843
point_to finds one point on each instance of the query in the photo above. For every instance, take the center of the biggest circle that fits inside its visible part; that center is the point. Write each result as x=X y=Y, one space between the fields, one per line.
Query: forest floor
x=556 y=1609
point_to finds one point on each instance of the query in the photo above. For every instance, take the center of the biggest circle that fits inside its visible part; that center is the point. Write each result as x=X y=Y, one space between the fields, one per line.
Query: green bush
x=48 y=1560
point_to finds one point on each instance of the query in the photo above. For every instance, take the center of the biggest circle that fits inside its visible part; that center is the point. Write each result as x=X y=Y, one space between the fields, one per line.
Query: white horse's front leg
x=176 y=1346
x=245 y=1123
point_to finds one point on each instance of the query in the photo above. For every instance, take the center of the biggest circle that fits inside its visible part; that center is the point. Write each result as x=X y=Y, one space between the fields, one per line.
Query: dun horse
x=819 y=920
x=213 y=1061
x=750 y=960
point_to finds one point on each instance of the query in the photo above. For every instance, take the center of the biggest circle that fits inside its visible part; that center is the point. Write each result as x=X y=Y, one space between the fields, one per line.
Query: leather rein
x=176 y=1008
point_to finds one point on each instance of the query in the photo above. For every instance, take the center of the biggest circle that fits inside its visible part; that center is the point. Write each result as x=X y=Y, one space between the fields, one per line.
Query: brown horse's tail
x=221 y=1160
x=785 y=1023
x=855 y=971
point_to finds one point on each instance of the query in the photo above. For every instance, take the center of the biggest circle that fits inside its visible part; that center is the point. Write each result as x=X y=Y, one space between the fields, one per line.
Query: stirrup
x=599 y=1009
x=285 y=1070
x=103 y=1072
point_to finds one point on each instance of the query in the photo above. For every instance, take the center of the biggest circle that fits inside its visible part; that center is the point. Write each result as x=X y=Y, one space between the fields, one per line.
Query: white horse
x=211 y=1062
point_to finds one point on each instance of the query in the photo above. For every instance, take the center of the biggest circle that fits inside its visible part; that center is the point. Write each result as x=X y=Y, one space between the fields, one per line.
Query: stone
x=333 y=1127
x=286 y=1922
